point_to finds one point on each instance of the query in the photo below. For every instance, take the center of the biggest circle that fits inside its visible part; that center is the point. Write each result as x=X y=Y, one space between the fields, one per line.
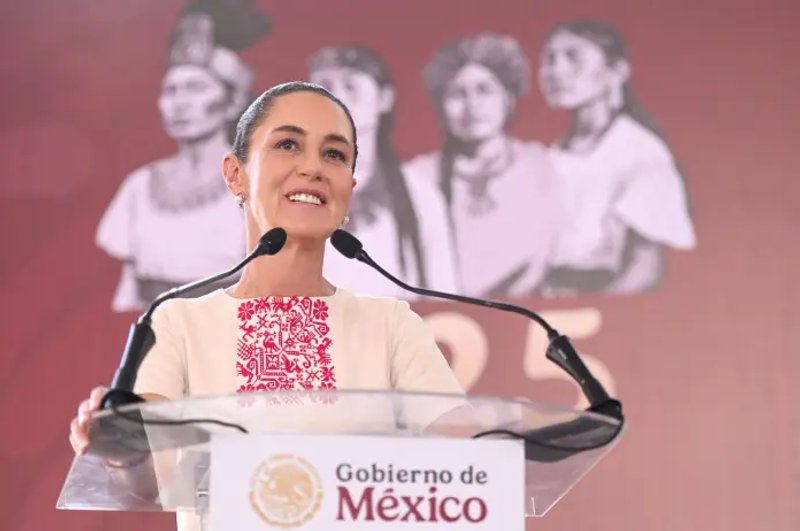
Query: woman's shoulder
x=138 y=179
x=160 y=165
x=530 y=152
x=370 y=307
x=421 y=174
x=142 y=175
x=365 y=302
x=628 y=135
x=528 y=147
x=196 y=310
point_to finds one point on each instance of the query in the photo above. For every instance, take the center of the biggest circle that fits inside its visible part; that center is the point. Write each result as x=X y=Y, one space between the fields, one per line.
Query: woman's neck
x=487 y=156
x=206 y=152
x=192 y=177
x=590 y=124
x=294 y=271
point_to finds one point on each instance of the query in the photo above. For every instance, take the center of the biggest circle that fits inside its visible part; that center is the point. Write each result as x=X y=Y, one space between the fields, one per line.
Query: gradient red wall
x=707 y=365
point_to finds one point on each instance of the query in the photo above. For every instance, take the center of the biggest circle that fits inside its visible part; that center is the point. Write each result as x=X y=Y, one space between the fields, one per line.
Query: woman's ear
x=511 y=107
x=386 y=100
x=235 y=176
x=236 y=103
x=620 y=71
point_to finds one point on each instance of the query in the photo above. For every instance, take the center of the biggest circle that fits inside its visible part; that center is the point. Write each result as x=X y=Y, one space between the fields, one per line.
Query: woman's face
x=574 y=72
x=193 y=103
x=299 y=172
x=476 y=105
x=358 y=91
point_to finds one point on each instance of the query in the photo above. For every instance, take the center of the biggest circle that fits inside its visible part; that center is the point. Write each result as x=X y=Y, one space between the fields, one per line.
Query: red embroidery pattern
x=283 y=345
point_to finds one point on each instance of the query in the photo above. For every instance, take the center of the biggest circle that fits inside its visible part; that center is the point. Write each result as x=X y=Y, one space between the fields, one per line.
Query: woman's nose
x=560 y=66
x=310 y=165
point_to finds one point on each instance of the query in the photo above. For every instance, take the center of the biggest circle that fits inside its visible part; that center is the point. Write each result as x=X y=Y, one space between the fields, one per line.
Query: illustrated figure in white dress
x=381 y=214
x=623 y=195
x=485 y=195
x=171 y=220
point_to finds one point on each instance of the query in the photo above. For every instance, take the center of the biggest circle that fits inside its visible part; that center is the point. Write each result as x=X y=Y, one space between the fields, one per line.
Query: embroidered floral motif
x=284 y=345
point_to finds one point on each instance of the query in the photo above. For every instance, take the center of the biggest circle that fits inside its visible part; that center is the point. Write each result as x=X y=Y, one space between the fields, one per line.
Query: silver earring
x=346 y=220
x=240 y=198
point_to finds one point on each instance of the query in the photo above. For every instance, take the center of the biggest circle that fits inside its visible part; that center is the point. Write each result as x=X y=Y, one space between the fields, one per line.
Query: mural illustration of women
x=172 y=220
x=622 y=194
x=494 y=190
x=381 y=214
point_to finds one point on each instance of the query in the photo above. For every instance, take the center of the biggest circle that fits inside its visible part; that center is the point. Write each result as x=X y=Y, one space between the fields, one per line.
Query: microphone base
x=579 y=433
x=610 y=408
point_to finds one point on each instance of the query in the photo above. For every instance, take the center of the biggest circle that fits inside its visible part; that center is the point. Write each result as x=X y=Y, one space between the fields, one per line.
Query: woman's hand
x=79 y=427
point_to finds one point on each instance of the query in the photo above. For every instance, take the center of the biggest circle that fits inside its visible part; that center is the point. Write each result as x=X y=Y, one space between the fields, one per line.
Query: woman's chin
x=564 y=102
x=188 y=133
x=479 y=132
x=308 y=232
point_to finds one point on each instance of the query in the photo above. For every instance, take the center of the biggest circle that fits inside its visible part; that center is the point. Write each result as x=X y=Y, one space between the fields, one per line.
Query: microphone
x=560 y=351
x=141 y=337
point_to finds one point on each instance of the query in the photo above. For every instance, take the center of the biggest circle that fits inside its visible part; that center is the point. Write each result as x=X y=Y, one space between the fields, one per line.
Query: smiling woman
x=283 y=326
x=277 y=143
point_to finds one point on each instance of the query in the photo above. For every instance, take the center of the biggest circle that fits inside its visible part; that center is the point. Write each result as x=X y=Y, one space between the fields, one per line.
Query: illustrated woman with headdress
x=623 y=195
x=486 y=192
x=381 y=215
x=171 y=221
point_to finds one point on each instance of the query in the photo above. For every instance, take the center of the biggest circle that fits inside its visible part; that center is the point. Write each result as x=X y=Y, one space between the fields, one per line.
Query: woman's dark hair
x=255 y=114
x=501 y=54
x=387 y=187
x=608 y=38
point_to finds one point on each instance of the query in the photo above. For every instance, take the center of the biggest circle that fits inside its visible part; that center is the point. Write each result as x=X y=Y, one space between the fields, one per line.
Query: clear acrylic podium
x=156 y=457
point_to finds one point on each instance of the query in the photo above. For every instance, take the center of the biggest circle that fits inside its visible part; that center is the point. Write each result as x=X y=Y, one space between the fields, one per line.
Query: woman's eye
x=574 y=56
x=486 y=88
x=455 y=93
x=336 y=154
x=196 y=86
x=287 y=144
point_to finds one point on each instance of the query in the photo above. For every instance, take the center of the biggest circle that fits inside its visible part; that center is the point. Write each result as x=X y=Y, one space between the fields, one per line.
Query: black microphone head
x=346 y=243
x=272 y=241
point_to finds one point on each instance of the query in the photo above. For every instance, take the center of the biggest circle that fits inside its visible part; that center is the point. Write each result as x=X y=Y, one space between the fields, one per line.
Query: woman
x=486 y=193
x=381 y=216
x=621 y=190
x=171 y=220
x=283 y=326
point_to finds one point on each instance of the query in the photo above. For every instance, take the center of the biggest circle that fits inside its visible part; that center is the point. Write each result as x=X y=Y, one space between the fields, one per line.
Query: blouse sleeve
x=419 y=366
x=653 y=202
x=114 y=233
x=163 y=370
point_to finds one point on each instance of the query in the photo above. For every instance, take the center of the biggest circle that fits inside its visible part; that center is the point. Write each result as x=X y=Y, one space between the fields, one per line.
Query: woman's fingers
x=78 y=436
x=79 y=426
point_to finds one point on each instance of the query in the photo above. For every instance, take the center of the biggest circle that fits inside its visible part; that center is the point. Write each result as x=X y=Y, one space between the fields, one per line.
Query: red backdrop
x=707 y=365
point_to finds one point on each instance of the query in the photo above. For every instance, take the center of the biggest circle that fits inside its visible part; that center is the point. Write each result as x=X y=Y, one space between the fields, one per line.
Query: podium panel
x=156 y=456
